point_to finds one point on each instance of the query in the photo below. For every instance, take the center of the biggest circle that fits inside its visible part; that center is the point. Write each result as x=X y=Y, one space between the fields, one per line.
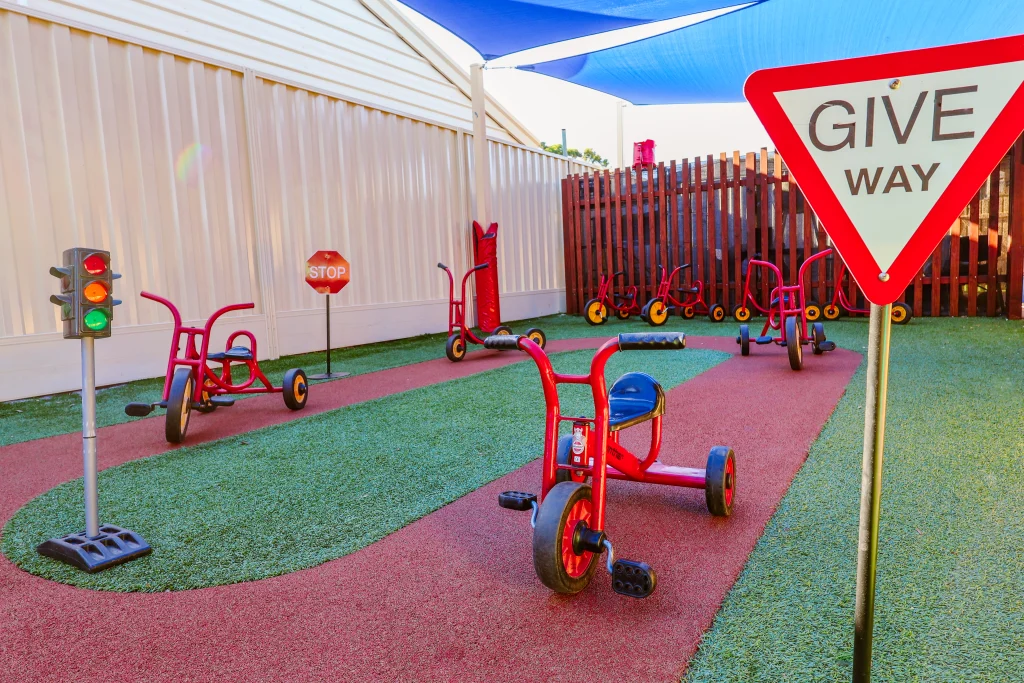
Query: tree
x=588 y=154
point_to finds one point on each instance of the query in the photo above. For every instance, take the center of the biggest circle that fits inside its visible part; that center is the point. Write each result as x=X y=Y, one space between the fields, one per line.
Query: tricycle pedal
x=635 y=579
x=764 y=340
x=138 y=409
x=517 y=500
x=222 y=402
x=826 y=345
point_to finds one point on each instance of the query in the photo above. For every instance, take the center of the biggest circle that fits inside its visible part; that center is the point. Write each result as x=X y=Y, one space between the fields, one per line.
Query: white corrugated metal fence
x=212 y=185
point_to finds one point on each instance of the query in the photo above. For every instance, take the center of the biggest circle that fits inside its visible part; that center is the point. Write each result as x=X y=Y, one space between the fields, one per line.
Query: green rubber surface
x=301 y=493
x=950 y=594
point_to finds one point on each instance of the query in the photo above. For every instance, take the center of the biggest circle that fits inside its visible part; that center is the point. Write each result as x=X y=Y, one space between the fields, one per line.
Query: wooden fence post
x=1016 y=260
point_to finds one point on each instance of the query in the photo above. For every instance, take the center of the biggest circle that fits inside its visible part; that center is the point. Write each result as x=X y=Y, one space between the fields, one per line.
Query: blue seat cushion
x=234 y=353
x=634 y=398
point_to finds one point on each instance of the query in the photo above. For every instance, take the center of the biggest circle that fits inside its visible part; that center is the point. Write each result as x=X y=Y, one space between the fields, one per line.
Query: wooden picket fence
x=717 y=213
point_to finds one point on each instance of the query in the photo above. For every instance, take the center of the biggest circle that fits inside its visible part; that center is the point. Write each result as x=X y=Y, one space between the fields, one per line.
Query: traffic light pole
x=86 y=310
x=92 y=515
x=879 y=329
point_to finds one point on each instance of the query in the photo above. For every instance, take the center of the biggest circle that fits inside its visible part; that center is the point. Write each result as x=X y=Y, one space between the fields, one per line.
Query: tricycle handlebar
x=502 y=342
x=442 y=266
x=652 y=341
x=165 y=302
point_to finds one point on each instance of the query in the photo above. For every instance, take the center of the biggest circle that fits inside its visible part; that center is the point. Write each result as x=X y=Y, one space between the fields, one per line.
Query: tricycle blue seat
x=634 y=398
x=234 y=353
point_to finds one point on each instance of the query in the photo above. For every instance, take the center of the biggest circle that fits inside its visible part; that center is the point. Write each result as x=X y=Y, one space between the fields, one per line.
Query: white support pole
x=620 y=112
x=481 y=161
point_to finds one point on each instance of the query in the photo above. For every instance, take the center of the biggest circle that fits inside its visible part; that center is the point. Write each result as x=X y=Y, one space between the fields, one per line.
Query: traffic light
x=86 y=296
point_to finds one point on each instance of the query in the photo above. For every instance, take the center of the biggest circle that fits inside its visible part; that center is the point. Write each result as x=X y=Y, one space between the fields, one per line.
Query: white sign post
x=888 y=150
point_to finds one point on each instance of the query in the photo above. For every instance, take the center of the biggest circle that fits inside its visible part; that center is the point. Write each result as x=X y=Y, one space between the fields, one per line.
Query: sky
x=546 y=105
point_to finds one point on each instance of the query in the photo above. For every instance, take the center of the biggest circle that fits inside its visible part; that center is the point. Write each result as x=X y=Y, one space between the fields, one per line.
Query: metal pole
x=565 y=145
x=481 y=162
x=619 y=124
x=328 y=297
x=92 y=515
x=871 y=489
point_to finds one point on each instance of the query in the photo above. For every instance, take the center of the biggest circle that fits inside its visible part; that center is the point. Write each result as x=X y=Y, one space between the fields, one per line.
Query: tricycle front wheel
x=179 y=405
x=455 y=348
x=558 y=565
x=295 y=389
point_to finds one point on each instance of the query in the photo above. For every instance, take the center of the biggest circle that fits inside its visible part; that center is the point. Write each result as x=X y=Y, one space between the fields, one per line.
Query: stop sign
x=327 y=272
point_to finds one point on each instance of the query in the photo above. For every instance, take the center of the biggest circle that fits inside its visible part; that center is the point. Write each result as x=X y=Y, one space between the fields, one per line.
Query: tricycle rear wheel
x=558 y=565
x=537 y=336
x=179 y=405
x=720 y=481
x=744 y=340
x=295 y=389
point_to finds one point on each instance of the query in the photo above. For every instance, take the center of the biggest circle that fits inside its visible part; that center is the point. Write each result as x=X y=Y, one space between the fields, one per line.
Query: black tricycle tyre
x=793 y=345
x=179 y=405
x=548 y=536
x=720 y=481
x=295 y=389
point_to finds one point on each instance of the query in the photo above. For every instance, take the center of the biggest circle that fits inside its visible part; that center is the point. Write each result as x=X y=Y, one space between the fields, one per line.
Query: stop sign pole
x=327 y=272
x=888 y=149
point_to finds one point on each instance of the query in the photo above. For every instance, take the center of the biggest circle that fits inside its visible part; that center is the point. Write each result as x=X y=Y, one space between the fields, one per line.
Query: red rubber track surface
x=452 y=596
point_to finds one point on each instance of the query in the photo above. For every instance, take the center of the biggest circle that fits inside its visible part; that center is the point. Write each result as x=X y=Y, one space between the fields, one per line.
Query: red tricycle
x=191 y=383
x=900 y=314
x=569 y=519
x=656 y=311
x=596 y=310
x=785 y=313
x=459 y=332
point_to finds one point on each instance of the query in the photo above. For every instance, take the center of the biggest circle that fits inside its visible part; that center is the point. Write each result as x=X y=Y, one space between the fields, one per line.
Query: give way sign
x=888 y=149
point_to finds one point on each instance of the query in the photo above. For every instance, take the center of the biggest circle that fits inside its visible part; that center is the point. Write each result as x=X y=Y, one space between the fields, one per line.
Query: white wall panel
x=337 y=46
x=91 y=133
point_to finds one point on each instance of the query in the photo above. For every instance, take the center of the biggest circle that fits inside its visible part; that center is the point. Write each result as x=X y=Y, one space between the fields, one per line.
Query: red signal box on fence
x=643 y=153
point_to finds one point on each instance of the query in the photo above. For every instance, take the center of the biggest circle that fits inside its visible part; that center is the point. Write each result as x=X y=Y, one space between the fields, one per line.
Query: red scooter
x=786 y=313
x=569 y=519
x=656 y=311
x=459 y=333
x=191 y=383
x=596 y=310
x=900 y=314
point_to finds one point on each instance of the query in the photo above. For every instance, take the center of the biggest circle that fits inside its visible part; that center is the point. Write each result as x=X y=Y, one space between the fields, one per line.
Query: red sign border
x=760 y=89
x=343 y=284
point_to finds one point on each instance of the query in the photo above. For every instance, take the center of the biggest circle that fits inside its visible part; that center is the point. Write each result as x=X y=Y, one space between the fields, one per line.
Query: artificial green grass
x=38 y=418
x=950 y=593
x=301 y=493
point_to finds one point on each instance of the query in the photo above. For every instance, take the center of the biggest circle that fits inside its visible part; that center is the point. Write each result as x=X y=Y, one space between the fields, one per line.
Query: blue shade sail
x=499 y=27
x=708 y=62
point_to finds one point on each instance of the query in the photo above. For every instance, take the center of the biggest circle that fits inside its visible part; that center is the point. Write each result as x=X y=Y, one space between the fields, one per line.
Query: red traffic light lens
x=94 y=264
x=96 y=292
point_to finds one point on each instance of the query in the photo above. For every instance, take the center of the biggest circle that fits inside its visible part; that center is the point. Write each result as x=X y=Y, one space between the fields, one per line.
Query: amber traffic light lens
x=94 y=264
x=96 y=292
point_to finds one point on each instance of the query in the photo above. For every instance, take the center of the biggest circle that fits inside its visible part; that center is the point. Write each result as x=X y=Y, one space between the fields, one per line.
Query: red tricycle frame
x=900 y=313
x=656 y=311
x=786 y=312
x=600 y=455
x=596 y=310
x=190 y=382
x=197 y=358
x=459 y=332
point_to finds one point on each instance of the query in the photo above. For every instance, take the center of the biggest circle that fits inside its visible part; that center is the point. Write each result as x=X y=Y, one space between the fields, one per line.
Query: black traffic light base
x=113 y=546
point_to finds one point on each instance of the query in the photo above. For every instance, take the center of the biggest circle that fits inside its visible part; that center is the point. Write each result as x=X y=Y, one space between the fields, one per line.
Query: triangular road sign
x=888 y=149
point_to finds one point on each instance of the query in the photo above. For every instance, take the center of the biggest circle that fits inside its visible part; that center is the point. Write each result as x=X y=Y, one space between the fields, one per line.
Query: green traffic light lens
x=96 y=319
